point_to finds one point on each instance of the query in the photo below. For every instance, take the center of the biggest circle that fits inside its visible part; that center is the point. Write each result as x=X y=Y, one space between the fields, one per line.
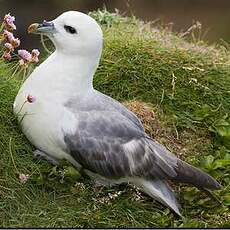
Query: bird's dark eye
x=70 y=29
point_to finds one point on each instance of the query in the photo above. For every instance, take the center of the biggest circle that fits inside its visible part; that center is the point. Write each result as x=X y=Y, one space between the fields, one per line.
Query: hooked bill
x=33 y=28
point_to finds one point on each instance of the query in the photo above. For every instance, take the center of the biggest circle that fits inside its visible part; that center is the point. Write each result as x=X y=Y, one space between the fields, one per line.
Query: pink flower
x=9 y=22
x=9 y=47
x=15 y=42
x=25 y=55
x=9 y=37
x=31 y=99
x=7 y=56
x=35 y=53
x=9 y=19
x=23 y=178
x=11 y=43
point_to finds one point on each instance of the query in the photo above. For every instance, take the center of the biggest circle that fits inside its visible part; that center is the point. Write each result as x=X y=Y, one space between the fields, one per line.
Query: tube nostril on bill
x=46 y=23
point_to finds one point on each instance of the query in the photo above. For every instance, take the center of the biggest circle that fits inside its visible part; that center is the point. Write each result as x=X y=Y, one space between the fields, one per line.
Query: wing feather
x=110 y=140
x=110 y=145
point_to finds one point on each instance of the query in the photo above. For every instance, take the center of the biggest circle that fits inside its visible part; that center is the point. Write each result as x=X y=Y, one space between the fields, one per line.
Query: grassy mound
x=181 y=91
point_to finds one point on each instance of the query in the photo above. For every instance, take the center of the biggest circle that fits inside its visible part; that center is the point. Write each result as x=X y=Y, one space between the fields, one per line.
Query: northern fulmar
x=71 y=120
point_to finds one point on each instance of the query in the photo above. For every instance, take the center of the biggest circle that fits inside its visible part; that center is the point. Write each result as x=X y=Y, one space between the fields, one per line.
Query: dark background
x=213 y=14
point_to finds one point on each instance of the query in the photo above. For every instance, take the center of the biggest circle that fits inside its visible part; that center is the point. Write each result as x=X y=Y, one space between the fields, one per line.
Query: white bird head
x=73 y=33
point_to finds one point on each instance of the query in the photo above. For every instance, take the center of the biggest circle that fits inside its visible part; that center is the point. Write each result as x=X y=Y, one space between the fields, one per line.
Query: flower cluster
x=8 y=22
x=30 y=98
x=27 y=57
x=11 y=43
x=23 y=178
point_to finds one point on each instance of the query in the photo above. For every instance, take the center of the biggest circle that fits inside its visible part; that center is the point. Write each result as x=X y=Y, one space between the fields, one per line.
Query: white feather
x=158 y=190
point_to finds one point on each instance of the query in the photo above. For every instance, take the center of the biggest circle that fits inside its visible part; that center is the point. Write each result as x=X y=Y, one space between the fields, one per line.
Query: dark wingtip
x=188 y=174
x=210 y=182
x=217 y=186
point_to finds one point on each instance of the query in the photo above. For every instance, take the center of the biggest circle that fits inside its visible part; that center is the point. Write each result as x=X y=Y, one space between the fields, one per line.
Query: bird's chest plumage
x=44 y=119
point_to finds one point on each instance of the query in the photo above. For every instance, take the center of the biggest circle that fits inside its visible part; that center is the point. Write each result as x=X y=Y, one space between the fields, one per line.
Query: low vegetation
x=180 y=88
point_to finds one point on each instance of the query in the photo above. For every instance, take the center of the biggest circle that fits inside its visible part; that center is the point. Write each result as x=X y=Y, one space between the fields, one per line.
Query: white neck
x=73 y=74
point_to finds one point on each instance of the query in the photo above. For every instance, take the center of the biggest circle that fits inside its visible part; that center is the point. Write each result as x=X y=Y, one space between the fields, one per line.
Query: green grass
x=179 y=88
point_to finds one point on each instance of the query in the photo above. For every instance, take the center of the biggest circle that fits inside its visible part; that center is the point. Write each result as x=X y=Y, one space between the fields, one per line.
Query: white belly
x=44 y=121
x=47 y=120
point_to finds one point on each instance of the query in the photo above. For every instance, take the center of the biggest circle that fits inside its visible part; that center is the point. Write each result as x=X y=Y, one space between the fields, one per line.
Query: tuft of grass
x=106 y=18
x=181 y=91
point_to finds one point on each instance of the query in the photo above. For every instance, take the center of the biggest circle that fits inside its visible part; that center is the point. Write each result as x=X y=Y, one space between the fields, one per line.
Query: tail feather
x=188 y=174
x=160 y=191
x=180 y=170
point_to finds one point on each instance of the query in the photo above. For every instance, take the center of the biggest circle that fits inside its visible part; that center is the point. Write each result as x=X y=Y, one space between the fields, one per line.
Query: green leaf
x=72 y=173
x=222 y=122
x=227 y=156
x=221 y=163
x=223 y=131
x=204 y=112
x=208 y=161
x=227 y=199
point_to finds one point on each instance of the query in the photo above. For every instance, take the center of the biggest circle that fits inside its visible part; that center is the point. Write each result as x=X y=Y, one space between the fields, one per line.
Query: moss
x=180 y=89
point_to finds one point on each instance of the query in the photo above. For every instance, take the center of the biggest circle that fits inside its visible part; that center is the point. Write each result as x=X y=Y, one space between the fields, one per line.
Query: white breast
x=44 y=120
x=57 y=80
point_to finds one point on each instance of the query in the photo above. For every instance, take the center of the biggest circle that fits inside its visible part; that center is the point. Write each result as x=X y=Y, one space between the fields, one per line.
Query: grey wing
x=122 y=109
x=99 y=102
x=109 y=144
